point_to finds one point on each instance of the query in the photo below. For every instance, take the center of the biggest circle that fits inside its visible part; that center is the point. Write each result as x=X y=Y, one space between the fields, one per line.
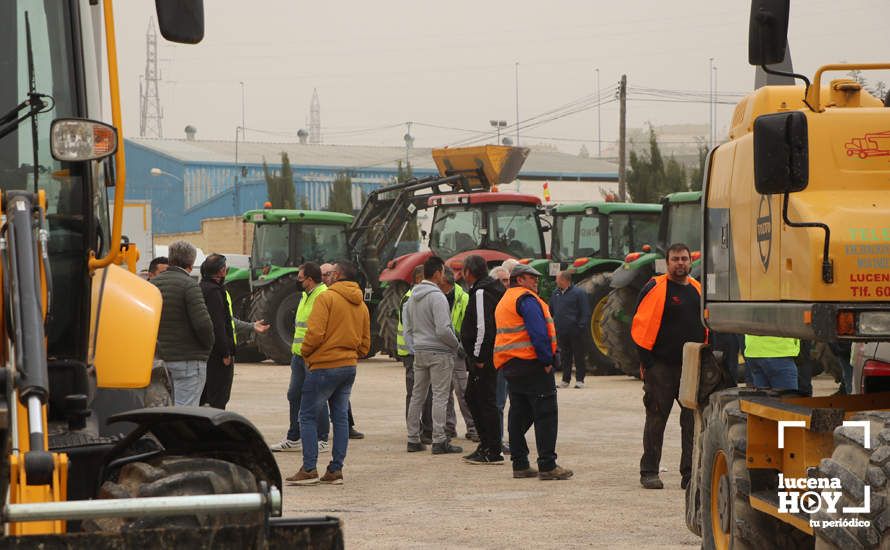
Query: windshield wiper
x=36 y=104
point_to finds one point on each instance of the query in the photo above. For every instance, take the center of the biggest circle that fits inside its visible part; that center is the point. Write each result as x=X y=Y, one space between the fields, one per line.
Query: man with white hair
x=185 y=335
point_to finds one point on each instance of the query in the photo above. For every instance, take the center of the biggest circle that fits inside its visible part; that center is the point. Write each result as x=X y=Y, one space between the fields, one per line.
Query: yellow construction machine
x=796 y=243
x=91 y=456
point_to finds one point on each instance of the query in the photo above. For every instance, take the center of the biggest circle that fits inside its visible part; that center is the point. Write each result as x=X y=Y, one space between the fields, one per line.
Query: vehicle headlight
x=874 y=322
x=73 y=139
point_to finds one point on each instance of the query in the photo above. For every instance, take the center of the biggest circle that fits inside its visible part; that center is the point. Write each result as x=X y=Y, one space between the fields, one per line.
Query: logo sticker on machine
x=765 y=230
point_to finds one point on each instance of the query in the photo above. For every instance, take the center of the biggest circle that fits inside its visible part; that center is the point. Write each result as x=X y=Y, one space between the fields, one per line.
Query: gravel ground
x=392 y=499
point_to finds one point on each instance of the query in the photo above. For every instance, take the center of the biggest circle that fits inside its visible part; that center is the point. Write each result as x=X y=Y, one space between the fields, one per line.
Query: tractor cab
x=496 y=226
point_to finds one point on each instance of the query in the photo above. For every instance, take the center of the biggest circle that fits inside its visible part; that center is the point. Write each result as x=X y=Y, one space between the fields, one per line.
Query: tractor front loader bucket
x=484 y=166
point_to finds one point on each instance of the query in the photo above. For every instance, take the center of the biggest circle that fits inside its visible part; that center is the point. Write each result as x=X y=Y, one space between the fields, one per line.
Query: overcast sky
x=379 y=64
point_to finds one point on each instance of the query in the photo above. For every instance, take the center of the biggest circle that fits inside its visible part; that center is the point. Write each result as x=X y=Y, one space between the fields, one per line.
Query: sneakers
x=483 y=459
x=651 y=481
x=579 y=385
x=355 y=434
x=304 y=478
x=525 y=473
x=332 y=478
x=286 y=445
x=322 y=446
x=446 y=448
x=556 y=473
x=472 y=436
x=563 y=384
x=416 y=447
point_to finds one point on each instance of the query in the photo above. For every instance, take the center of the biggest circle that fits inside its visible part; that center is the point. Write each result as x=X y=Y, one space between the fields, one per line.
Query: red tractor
x=496 y=226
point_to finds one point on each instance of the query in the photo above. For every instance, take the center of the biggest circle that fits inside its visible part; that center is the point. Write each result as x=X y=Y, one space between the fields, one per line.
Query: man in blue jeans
x=309 y=276
x=338 y=332
x=771 y=361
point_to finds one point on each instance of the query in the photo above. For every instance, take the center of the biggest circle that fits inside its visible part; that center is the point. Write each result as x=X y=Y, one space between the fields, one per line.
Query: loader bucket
x=484 y=166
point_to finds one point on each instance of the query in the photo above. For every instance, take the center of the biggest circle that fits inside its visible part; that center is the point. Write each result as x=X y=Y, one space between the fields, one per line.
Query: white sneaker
x=579 y=385
x=286 y=445
x=322 y=446
x=563 y=384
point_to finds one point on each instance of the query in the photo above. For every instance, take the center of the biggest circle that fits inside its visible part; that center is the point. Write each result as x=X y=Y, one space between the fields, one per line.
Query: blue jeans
x=332 y=386
x=294 y=397
x=500 y=397
x=778 y=373
x=188 y=379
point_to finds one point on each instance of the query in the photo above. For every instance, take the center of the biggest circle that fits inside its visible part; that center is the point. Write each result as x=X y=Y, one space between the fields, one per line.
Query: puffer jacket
x=186 y=331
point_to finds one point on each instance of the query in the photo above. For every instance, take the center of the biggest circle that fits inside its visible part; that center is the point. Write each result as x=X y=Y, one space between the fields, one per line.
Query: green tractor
x=591 y=239
x=268 y=289
x=680 y=221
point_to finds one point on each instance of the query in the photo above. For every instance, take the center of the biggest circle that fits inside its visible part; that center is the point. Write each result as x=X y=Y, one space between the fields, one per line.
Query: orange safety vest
x=512 y=341
x=647 y=320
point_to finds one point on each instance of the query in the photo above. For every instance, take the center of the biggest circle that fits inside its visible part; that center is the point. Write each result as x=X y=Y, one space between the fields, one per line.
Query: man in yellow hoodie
x=338 y=333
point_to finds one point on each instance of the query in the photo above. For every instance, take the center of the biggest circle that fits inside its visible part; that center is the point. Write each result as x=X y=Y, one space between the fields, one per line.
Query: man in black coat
x=477 y=337
x=221 y=362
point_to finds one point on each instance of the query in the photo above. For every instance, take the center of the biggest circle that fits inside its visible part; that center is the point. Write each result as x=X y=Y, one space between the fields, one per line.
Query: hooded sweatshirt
x=338 y=330
x=427 y=323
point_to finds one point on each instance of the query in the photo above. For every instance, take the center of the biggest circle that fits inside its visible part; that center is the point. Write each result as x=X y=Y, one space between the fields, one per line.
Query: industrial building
x=190 y=181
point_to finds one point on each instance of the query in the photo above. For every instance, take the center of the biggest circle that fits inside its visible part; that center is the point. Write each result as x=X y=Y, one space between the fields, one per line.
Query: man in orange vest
x=668 y=315
x=524 y=349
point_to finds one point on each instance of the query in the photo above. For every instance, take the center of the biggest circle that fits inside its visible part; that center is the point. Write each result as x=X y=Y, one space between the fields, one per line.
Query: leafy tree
x=341 y=194
x=651 y=177
x=280 y=188
x=879 y=90
x=696 y=176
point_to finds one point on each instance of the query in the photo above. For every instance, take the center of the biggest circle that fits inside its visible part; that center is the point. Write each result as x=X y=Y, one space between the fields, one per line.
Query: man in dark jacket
x=571 y=313
x=477 y=336
x=185 y=335
x=221 y=363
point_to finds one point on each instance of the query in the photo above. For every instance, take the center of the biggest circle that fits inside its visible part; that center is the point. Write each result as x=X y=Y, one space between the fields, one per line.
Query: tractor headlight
x=874 y=323
x=73 y=139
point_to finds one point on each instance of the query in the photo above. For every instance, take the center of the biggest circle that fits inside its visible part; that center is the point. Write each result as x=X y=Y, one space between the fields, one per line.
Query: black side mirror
x=781 y=153
x=181 y=21
x=768 y=31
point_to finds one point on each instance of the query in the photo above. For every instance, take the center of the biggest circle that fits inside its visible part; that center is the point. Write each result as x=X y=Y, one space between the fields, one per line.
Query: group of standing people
x=498 y=331
x=198 y=330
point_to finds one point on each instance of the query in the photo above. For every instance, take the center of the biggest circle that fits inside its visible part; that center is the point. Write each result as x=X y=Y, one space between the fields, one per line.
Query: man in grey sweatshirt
x=429 y=332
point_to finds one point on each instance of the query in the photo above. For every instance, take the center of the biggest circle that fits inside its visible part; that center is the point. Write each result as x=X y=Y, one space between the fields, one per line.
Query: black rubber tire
x=724 y=432
x=615 y=326
x=176 y=476
x=597 y=289
x=388 y=316
x=857 y=467
x=277 y=303
x=247 y=351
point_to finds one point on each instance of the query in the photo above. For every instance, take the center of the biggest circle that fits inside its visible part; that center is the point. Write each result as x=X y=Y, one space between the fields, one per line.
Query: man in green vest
x=457 y=299
x=406 y=356
x=771 y=361
x=309 y=277
x=221 y=362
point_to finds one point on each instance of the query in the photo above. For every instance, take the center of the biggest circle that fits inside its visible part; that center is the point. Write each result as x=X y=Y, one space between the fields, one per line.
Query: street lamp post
x=599 y=128
x=498 y=124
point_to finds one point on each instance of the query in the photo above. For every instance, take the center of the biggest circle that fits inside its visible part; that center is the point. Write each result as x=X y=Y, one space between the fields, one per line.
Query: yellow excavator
x=796 y=242
x=92 y=454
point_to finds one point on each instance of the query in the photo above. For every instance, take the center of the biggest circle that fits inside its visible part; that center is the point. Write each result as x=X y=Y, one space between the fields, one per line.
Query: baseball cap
x=523 y=269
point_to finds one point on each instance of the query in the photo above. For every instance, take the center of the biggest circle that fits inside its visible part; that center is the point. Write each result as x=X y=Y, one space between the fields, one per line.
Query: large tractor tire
x=277 y=303
x=388 y=316
x=597 y=289
x=615 y=329
x=177 y=476
x=727 y=518
x=858 y=467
